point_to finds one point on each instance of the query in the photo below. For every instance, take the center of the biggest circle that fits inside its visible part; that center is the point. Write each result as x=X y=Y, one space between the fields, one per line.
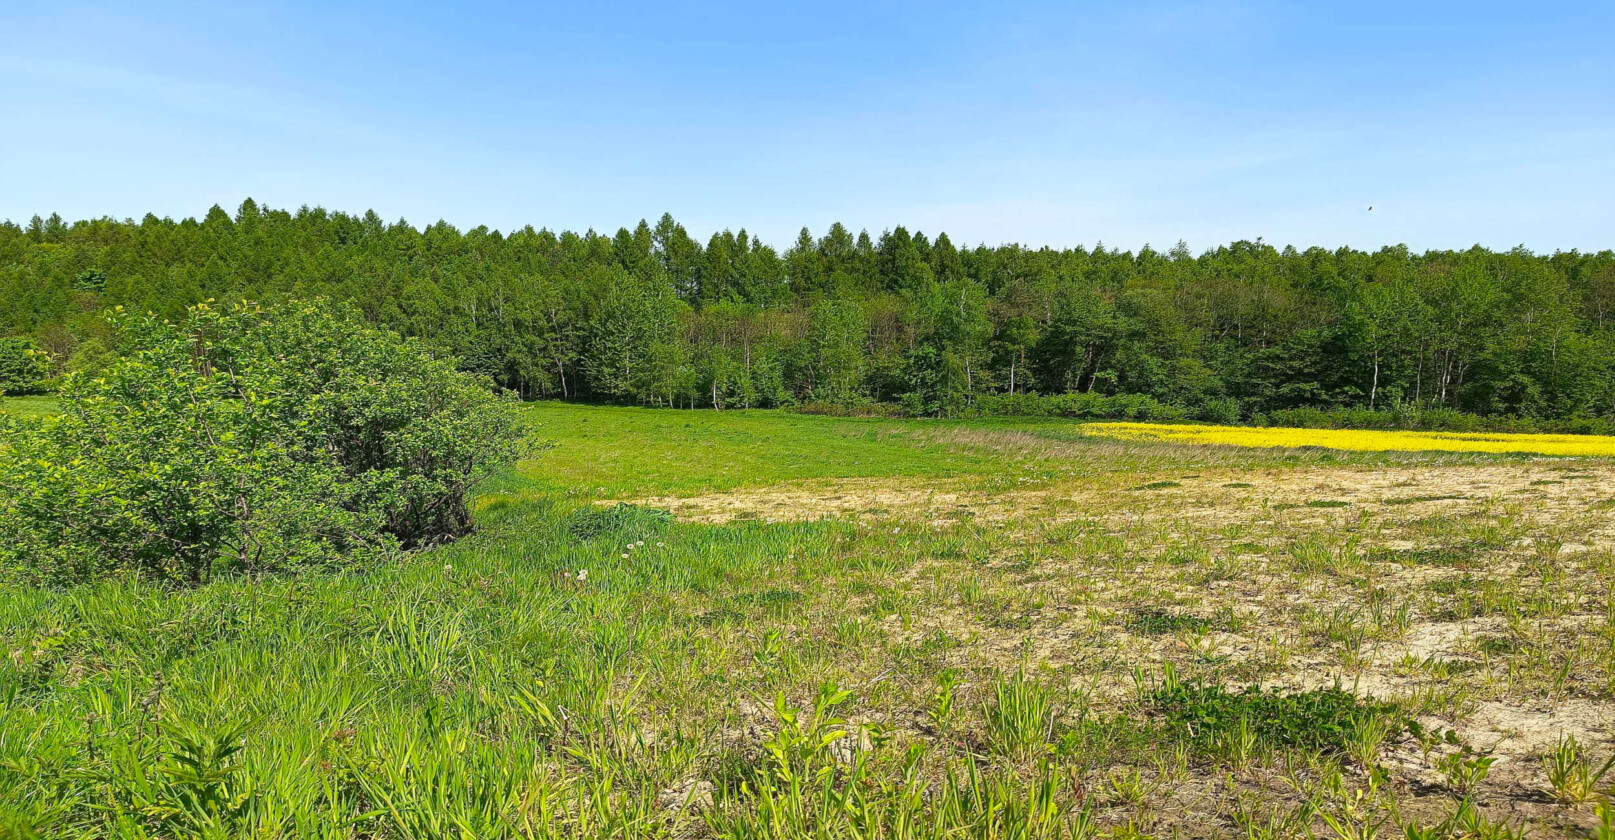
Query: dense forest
x=651 y=315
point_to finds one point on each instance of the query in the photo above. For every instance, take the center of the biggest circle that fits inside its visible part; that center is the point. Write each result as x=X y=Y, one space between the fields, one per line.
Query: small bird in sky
x=1370 y=208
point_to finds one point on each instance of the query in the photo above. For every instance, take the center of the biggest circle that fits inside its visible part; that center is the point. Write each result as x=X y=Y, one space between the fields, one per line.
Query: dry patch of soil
x=1550 y=487
x=1472 y=593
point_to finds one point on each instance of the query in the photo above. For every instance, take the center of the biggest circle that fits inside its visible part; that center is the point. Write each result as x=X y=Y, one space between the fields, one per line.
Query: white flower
x=447 y=567
x=896 y=530
x=625 y=557
x=583 y=575
x=641 y=542
x=660 y=544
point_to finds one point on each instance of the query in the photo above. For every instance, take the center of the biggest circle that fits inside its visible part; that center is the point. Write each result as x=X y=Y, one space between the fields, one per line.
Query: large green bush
x=248 y=439
x=23 y=369
x=1082 y=406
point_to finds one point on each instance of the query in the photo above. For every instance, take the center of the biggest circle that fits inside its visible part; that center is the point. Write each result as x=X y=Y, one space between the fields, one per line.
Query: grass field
x=692 y=624
x=28 y=406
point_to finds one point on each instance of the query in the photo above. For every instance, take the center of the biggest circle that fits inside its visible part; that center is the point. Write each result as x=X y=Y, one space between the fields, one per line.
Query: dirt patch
x=1312 y=494
x=1465 y=593
x=820 y=499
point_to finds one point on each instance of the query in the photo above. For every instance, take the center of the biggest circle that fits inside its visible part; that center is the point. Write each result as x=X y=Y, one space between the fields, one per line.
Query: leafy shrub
x=1222 y=411
x=249 y=439
x=90 y=358
x=622 y=517
x=1427 y=419
x=23 y=369
x=864 y=409
x=1324 y=719
x=1156 y=622
x=1227 y=411
x=1083 y=406
x=90 y=280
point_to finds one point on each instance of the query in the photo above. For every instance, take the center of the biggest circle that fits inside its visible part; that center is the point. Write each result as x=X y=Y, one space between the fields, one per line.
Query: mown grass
x=28 y=406
x=614 y=451
x=1128 y=666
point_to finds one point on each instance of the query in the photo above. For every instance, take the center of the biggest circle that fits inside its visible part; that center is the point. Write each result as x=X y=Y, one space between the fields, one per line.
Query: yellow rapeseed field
x=1374 y=441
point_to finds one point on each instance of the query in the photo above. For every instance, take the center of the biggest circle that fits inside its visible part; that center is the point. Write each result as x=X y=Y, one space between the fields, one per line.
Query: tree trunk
x=1373 y=390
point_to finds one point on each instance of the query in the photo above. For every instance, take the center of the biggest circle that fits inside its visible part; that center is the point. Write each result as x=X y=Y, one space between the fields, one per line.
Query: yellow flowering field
x=1358 y=439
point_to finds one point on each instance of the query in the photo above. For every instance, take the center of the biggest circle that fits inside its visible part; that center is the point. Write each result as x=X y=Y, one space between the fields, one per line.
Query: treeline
x=652 y=316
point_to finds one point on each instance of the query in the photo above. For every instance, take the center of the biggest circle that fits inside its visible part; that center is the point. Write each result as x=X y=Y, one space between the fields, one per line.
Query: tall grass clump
x=249 y=439
x=1020 y=718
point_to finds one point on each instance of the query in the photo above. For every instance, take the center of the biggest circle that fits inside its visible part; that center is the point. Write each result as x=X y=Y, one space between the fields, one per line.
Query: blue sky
x=1041 y=123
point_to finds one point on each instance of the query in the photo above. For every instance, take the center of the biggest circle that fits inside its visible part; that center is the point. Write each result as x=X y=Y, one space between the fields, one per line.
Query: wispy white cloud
x=212 y=98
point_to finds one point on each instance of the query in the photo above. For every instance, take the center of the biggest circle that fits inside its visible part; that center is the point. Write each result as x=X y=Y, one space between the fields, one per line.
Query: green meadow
x=28 y=406
x=609 y=450
x=689 y=623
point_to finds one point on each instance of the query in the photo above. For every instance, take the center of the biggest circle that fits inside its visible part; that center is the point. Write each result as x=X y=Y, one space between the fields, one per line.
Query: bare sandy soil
x=1476 y=594
x=1550 y=487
